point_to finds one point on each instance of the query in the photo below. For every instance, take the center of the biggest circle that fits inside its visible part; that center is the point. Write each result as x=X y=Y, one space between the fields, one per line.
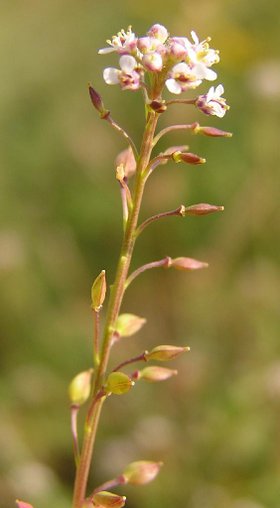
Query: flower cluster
x=179 y=63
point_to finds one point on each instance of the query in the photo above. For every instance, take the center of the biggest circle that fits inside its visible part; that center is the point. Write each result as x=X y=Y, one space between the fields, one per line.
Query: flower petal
x=173 y=86
x=127 y=63
x=111 y=76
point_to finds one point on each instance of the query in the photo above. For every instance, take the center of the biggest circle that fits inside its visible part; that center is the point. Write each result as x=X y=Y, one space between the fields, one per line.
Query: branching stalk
x=115 y=301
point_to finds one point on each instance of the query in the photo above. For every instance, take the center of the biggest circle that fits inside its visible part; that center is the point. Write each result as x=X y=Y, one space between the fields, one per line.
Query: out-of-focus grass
x=215 y=425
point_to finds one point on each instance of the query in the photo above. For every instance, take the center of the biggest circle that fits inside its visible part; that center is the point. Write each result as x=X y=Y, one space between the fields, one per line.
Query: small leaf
x=128 y=324
x=165 y=353
x=80 y=387
x=141 y=472
x=154 y=374
x=98 y=291
x=104 y=499
x=118 y=383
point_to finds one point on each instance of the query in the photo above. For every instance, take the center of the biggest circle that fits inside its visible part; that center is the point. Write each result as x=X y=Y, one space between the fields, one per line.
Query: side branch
x=178 y=211
x=165 y=262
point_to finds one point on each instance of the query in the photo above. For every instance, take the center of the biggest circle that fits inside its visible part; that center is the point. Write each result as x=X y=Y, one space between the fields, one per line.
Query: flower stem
x=116 y=296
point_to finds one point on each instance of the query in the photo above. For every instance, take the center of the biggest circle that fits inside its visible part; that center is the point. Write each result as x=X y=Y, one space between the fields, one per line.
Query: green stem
x=115 y=301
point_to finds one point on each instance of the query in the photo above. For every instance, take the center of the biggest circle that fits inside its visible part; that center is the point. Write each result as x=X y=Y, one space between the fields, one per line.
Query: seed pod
x=213 y=132
x=118 y=383
x=165 y=353
x=188 y=157
x=201 y=209
x=79 y=388
x=154 y=374
x=104 y=499
x=98 y=291
x=22 y=504
x=97 y=102
x=141 y=472
x=187 y=264
x=128 y=324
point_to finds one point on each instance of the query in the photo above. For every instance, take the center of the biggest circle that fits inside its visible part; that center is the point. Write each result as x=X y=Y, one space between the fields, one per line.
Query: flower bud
x=159 y=32
x=22 y=504
x=200 y=209
x=128 y=324
x=152 y=62
x=165 y=353
x=127 y=160
x=213 y=132
x=104 y=499
x=97 y=102
x=188 y=157
x=118 y=383
x=80 y=386
x=98 y=291
x=187 y=264
x=154 y=374
x=141 y=472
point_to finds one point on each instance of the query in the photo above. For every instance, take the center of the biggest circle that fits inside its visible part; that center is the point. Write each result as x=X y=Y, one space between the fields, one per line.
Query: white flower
x=199 y=52
x=128 y=76
x=123 y=42
x=182 y=77
x=212 y=103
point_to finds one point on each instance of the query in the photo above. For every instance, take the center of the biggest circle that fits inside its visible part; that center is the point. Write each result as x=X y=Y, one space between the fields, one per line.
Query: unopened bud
x=158 y=106
x=187 y=264
x=152 y=62
x=104 y=499
x=98 y=291
x=79 y=388
x=127 y=160
x=165 y=353
x=118 y=383
x=154 y=374
x=22 y=504
x=159 y=32
x=188 y=157
x=128 y=324
x=97 y=102
x=200 y=209
x=141 y=472
x=213 y=132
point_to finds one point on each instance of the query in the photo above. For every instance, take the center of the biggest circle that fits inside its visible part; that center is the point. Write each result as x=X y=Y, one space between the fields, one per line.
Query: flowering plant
x=149 y=64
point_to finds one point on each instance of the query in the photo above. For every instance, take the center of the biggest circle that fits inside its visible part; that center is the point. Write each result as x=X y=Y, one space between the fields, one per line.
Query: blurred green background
x=216 y=426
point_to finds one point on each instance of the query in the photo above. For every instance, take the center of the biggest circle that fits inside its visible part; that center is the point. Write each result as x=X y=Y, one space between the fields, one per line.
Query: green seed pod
x=104 y=499
x=98 y=291
x=118 y=383
x=165 y=353
x=141 y=472
x=79 y=388
x=154 y=374
x=128 y=324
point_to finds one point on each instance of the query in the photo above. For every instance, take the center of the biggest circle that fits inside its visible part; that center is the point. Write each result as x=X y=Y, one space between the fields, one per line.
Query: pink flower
x=212 y=103
x=182 y=77
x=128 y=76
